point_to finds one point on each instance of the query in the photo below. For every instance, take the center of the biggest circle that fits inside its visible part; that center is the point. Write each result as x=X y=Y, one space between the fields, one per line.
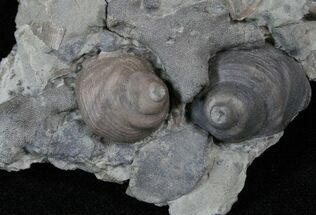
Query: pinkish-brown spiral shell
x=121 y=98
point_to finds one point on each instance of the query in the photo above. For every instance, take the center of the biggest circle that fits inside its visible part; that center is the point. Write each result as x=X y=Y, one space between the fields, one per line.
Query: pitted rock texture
x=69 y=145
x=224 y=178
x=299 y=41
x=69 y=21
x=169 y=166
x=30 y=66
x=21 y=116
x=276 y=13
x=290 y=23
x=49 y=36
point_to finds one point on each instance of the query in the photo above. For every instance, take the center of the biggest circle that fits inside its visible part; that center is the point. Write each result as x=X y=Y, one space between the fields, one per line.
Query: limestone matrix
x=180 y=164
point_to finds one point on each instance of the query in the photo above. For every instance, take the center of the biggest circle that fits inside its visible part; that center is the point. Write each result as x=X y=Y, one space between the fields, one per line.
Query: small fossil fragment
x=241 y=9
x=121 y=98
x=50 y=33
x=152 y=4
x=252 y=93
x=312 y=8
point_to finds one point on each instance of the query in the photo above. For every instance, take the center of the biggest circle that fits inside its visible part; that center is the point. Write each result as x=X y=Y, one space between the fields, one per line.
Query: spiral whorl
x=252 y=93
x=121 y=98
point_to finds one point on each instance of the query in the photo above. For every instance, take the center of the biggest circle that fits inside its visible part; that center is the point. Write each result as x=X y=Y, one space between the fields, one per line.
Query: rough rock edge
x=287 y=24
x=225 y=178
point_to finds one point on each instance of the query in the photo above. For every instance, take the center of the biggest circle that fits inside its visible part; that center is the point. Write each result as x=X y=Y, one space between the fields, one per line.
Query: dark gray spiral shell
x=121 y=98
x=252 y=93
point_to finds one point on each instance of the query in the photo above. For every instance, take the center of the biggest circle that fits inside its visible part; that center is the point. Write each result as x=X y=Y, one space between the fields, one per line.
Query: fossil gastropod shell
x=241 y=9
x=121 y=98
x=312 y=8
x=253 y=92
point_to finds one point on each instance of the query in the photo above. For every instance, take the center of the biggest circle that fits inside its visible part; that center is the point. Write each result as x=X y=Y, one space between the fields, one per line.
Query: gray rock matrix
x=178 y=165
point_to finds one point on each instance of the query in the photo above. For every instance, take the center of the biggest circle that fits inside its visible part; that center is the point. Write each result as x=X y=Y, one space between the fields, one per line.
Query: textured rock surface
x=62 y=25
x=298 y=40
x=290 y=27
x=179 y=164
x=185 y=40
x=20 y=118
x=224 y=179
x=271 y=13
x=169 y=166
